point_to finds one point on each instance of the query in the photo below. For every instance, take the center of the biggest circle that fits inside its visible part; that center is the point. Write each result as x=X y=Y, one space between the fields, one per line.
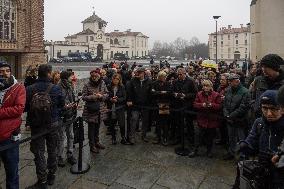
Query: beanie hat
x=65 y=75
x=97 y=70
x=269 y=97
x=272 y=61
x=4 y=64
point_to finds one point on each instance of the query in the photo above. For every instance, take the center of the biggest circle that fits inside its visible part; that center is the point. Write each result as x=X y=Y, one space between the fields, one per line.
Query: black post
x=182 y=151
x=80 y=167
x=216 y=35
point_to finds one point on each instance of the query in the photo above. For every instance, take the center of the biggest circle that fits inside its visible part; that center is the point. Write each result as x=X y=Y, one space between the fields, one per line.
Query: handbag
x=164 y=108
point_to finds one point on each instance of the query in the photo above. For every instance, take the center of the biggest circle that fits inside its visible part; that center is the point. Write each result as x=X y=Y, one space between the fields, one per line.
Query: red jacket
x=12 y=110
x=205 y=120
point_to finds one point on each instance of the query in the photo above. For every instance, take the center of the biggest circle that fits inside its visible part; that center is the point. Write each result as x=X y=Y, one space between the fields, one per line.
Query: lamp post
x=216 y=34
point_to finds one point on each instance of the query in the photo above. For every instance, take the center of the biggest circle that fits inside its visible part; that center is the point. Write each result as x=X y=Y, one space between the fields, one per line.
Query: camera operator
x=265 y=136
x=12 y=104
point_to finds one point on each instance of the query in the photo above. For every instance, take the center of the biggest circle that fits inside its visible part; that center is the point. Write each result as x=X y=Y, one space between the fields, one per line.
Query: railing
x=8 y=44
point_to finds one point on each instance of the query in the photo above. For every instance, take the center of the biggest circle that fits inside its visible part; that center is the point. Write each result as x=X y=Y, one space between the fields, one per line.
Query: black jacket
x=138 y=92
x=121 y=95
x=157 y=96
x=187 y=87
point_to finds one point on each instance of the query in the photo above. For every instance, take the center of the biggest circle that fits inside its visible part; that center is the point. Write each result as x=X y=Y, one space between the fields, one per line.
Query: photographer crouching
x=263 y=140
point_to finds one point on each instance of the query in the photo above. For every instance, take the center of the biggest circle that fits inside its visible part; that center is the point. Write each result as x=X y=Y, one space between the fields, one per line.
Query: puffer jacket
x=69 y=97
x=207 y=117
x=88 y=95
x=236 y=106
x=11 y=110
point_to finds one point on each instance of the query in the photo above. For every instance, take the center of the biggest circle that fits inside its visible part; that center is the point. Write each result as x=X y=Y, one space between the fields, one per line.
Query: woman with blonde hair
x=207 y=103
x=55 y=77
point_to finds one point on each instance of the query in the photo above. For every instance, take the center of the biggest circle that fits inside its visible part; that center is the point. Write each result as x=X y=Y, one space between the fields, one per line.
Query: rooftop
x=124 y=34
x=93 y=19
x=231 y=30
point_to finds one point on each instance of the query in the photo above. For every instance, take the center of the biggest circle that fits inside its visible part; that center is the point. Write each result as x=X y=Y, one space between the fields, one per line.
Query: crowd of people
x=230 y=106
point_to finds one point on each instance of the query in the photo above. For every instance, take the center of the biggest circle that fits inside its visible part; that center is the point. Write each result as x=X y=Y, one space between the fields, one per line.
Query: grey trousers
x=68 y=131
x=134 y=120
x=38 y=149
x=235 y=134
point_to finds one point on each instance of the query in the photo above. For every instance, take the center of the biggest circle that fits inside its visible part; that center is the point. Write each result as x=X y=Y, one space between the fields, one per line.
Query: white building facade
x=102 y=44
x=232 y=44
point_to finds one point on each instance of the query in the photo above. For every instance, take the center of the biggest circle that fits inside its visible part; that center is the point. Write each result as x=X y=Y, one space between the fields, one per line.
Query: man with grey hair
x=184 y=90
x=235 y=109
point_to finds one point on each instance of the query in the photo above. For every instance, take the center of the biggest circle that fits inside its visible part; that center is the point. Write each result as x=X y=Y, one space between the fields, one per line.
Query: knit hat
x=65 y=74
x=269 y=97
x=233 y=76
x=272 y=61
x=4 y=64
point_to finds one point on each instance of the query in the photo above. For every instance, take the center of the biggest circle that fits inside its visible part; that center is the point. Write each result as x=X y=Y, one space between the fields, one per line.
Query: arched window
x=116 y=41
x=111 y=41
x=8 y=19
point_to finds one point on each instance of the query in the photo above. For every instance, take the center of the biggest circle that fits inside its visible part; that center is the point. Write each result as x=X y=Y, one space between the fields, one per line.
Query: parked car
x=56 y=60
x=120 y=56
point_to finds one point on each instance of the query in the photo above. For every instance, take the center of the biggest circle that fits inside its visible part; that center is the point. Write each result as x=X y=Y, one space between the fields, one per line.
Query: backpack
x=41 y=108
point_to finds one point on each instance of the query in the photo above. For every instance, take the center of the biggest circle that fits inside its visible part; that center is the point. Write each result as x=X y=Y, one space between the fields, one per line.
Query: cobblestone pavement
x=141 y=166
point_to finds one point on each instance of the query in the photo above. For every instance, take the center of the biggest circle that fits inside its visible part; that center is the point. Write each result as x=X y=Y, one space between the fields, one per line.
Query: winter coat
x=121 y=95
x=208 y=117
x=138 y=92
x=157 y=96
x=261 y=84
x=236 y=106
x=88 y=95
x=187 y=87
x=56 y=96
x=11 y=110
x=267 y=137
x=69 y=97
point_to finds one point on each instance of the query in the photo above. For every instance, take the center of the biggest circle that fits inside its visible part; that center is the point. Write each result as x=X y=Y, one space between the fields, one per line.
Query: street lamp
x=216 y=34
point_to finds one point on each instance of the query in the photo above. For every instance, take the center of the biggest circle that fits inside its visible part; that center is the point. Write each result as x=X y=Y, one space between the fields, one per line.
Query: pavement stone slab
x=107 y=170
x=156 y=186
x=182 y=178
x=116 y=185
x=83 y=183
x=141 y=176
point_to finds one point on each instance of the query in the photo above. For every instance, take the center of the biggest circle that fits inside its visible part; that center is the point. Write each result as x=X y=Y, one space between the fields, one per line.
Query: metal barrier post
x=182 y=151
x=80 y=167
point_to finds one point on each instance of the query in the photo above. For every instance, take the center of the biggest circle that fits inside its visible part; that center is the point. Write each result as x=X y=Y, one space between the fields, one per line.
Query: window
x=116 y=41
x=137 y=54
x=132 y=54
x=142 y=53
x=111 y=54
x=221 y=37
x=214 y=45
x=145 y=53
x=87 y=39
x=111 y=41
x=229 y=37
x=126 y=53
x=246 y=42
x=100 y=25
x=237 y=42
x=69 y=51
x=123 y=42
x=246 y=49
x=7 y=20
x=246 y=56
x=91 y=38
x=237 y=35
x=222 y=43
x=107 y=39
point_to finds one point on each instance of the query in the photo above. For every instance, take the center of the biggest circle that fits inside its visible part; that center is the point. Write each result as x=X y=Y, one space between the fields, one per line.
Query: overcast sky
x=163 y=20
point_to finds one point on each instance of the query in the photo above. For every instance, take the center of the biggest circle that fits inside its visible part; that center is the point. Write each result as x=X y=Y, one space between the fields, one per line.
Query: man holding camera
x=12 y=104
x=264 y=138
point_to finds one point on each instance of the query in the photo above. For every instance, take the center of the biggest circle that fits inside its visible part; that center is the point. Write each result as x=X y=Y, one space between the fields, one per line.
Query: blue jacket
x=266 y=136
x=55 y=94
